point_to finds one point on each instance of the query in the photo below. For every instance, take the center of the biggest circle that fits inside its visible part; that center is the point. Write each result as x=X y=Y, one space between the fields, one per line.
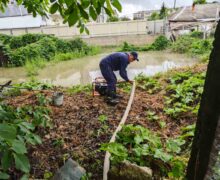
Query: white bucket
x=58 y=98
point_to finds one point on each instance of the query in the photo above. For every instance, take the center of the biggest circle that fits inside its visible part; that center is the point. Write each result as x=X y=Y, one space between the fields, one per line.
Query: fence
x=119 y=30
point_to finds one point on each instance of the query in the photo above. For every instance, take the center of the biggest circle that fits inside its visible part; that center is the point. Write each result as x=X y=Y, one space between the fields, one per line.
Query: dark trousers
x=109 y=76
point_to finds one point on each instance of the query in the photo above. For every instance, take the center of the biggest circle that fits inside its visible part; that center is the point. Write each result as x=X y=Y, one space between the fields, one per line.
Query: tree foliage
x=200 y=2
x=113 y=19
x=163 y=11
x=72 y=11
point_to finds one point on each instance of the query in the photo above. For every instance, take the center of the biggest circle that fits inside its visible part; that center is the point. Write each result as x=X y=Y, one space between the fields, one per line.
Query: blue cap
x=135 y=54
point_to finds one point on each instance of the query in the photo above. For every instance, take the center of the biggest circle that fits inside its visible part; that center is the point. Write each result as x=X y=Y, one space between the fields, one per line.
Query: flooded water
x=84 y=70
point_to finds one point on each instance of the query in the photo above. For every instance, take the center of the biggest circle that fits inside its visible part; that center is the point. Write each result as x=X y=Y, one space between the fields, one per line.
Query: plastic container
x=58 y=99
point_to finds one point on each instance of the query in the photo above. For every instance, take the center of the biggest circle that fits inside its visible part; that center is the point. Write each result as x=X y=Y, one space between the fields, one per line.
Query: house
x=201 y=17
x=16 y=16
x=143 y=15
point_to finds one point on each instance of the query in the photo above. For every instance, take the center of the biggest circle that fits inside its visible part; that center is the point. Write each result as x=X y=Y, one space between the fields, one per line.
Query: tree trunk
x=208 y=117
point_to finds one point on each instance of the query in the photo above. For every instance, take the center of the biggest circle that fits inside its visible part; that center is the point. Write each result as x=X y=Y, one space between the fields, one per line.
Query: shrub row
x=191 y=44
x=160 y=43
x=19 y=49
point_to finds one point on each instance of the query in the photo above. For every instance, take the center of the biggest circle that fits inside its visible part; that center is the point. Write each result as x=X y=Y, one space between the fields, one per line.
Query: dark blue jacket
x=118 y=62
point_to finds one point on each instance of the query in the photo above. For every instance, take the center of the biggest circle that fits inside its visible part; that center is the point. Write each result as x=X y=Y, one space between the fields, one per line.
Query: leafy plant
x=183 y=94
x=17 y=130
x=34 y=84
x=126 y=87
x=42 y=100
x=197 y=34
x=151 y=115
x=144 y=147
x=48 y=175
x=116 y=149
x=79 y=89
x=58 y=142
x=102 y=118
x=149 y=84
x=162 y=124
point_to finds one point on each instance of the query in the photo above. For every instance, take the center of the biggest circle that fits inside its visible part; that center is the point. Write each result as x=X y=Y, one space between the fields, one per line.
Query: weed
x=162 y=124
x=58 y=142
x=32 y=67
x=48 y=175
x=102 y=118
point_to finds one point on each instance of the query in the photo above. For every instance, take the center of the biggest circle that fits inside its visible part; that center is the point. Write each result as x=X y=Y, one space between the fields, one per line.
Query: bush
x=131 y=47
x=21 y=41
x=192 y=46
x=197 y=34
x=5 y=38
x=20 y=49
x=182 y=44
x=200 y=47
x=44 y=48
x=63 y=46
x=78 y=45
x=160 y=43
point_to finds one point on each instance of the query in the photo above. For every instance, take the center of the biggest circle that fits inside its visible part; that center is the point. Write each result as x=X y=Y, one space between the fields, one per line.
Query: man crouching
x=116 y=62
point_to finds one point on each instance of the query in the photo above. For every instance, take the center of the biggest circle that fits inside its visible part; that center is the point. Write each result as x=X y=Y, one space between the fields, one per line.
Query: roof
x=13 y=10
x=201 y=12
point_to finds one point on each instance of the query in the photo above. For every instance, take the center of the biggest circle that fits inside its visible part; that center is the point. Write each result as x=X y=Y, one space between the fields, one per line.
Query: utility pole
x=174 y=4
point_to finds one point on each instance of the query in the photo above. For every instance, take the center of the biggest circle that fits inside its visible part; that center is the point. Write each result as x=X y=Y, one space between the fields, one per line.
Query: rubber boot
x=111 y=98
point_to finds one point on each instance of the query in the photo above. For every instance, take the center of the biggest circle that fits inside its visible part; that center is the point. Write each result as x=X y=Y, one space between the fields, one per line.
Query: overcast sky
x=131 y=6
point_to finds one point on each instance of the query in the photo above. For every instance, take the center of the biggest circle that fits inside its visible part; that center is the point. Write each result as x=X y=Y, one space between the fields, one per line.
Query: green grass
x=32 y=67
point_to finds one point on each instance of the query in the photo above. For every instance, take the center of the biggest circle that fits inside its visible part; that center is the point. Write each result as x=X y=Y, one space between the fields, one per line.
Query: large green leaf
x=4 y=176
x=83 y=12
x=115 y=149
x=7 y=132
x=54 y=8
x=85 y=3
x=73 y=17
x=6 y=160
x=37 y=138
x=173 y=145
x=22 y=162
x=107 y=11
x=69 y=2
x=6 y=116
x=92 y=13
x=19 y=147
x=87 y=31
x=160 y=154
x=117 y=5
x=28 y=125
x=109 y=7
x=98 y=8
